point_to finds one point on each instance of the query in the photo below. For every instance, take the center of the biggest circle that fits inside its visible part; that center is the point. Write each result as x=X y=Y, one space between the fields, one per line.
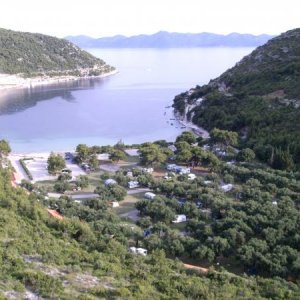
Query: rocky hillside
x=259 y=98
x=29 y=55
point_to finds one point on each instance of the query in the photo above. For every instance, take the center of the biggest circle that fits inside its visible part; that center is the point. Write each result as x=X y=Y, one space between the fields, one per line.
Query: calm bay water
x=130 y=105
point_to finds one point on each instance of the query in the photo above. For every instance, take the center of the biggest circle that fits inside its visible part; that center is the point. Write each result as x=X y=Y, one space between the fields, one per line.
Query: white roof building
x=227 y=187
x=133 y=184
x=110 y=181
x=148 y=170
x=179 y=219
x=132 y=152
x=103 y=156
x=172 y=147
x=149 y=195
x=191 y=176
x=115 y=204
x=139 y=251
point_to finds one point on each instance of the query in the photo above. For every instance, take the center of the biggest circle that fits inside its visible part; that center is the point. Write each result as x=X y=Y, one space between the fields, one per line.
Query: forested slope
x=259 y=98
x=31 y=54
x=72 y=258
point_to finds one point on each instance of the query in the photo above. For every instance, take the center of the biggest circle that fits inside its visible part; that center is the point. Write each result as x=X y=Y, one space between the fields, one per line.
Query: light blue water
x=130 y=105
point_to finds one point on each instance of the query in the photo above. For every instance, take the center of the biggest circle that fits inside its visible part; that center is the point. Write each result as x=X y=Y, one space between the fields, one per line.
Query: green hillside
x=31 y=54
x=259 y=98
x=75 y=259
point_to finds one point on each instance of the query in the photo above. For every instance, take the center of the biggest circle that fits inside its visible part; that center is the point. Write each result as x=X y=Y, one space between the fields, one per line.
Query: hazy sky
x=99 y=18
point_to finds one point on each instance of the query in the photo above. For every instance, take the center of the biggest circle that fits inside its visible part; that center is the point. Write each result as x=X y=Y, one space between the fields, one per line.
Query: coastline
x=199 y=131
x=8 y=82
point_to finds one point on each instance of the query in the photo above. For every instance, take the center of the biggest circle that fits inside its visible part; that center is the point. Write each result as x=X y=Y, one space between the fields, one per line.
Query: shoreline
x=9 y=82
x=199 y=131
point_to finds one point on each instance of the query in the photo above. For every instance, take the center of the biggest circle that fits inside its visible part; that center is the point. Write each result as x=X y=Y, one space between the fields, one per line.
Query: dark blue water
x=130 y=105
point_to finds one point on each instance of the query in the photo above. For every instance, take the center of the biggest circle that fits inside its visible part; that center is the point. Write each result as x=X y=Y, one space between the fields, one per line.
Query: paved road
x=84 y=196
x=14 y=159
x=137 y=191
x=75 y=197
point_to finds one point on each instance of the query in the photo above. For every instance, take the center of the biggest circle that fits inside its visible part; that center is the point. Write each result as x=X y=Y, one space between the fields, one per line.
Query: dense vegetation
x=85 y=255
x=31 y=54
x=253 y=226
x=259 y=98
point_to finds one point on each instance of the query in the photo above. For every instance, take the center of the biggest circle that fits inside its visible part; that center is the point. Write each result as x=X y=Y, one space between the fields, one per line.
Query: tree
x=82 y=181
x=119 y=145
x=27 y=185
x=83 y=152
x=224 y=137
x=198 y=155
x=64 y=177
x=283 y=160
x=188 y=137
x=162 y=143
x=55 y=163
x=185 y=155
x=117 y=192
x=4 y=148
x=211 y=160
x=61 y=186
x=151 y=154
x=93 y=162
x=246 y=154
x=117 y=155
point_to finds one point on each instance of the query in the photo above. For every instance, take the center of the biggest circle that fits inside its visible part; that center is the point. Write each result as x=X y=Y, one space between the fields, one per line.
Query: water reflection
x=16 y=100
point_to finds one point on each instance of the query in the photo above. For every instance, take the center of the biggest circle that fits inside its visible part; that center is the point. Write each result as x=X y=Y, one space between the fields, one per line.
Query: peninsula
x=32 y=58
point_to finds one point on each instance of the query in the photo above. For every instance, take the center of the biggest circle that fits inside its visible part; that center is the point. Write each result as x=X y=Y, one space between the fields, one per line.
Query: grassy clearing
x=128 y=204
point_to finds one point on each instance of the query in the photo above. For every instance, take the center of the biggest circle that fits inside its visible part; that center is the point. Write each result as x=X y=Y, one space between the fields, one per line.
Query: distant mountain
x=33 y=54
x=259 y=98
x=165 y=39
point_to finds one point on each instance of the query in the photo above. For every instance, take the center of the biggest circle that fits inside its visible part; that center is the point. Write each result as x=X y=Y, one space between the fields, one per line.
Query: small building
x=149 y=195
x=191 y=176
x=227 y=187
x=133 y=184
x=55 y=214
x=172 y=148
x=114 y=204
x=167 y=177
x=206 y=182
x=129 y=174
x=148 y=170
x=171 y=167
x=196 y=268
x=139 y=251
x=179 y=219
x=132 y=152
x=103 y=156
x=183 y=170
x=109 y=181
